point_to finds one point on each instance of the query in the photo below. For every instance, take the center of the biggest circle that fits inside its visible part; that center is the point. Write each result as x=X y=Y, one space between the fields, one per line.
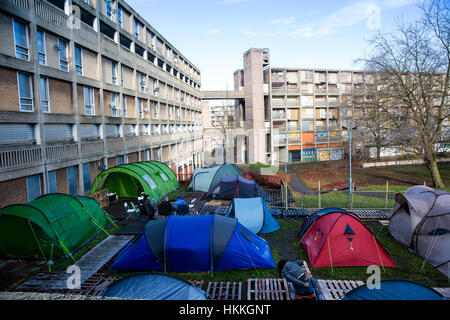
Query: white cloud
x=284 y=21
x=346 y=16
x=213 y=31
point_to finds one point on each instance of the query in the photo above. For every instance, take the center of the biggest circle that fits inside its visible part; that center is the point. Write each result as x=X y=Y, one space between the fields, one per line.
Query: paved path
x=89 y=264
x=297 y=185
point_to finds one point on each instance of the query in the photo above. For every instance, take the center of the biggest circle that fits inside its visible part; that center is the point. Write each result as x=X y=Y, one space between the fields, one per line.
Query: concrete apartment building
x=87 y=85
x=293 y=114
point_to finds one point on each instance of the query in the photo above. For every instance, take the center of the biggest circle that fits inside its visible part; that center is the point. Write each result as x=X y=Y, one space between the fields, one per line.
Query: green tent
x=130 y=180
x=50 y=226
x=206 y=179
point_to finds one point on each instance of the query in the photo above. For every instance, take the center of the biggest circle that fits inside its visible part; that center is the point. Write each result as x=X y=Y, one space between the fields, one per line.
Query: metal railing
x=20 y=157
x=376 y=200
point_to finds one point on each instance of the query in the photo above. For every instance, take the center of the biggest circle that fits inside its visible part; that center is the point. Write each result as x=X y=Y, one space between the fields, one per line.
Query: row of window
x=139 y=29
x=22 y=52
x=26 y=100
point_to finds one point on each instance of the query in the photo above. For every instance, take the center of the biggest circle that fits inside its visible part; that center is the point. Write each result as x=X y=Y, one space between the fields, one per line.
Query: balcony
x=91 y=148
x=320 y=91
x=115 y=144
x=61 y=152
x=278 y=92
x=20 y=157
x=334 y=91
x=50 y=13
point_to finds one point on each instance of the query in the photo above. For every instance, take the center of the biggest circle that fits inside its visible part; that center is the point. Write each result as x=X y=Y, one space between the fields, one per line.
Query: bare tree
x=412 y=66
x=374 y=126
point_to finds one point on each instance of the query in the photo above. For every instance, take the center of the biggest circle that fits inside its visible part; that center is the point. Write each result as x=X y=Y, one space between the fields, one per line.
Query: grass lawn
x=285 y=245
x=400 y=178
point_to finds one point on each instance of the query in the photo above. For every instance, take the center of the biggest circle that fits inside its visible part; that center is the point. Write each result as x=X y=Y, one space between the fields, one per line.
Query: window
x=21 y=40
x=89 y=104
x=119 y=16
x=34 y=189
x=139 y=109
x=113 y=72
x=124 y=106
x=41 y=48
x=25 y=92
x=63 y=56
x=142 y=82
x=121 y=75
x=156 y=110
x=109 y=10
x=114 y=105
x=136 y=29
x=78 y=61
x=45 y=103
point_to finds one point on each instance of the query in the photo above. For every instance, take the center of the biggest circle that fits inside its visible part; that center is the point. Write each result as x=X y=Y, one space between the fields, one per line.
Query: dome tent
x=237 y=187
x=50 y=226
x=154 y=287
x=195 y=244
x=337 y=238
x=130 y=180
x=205 y=179
x=394 y=290
x=421 y=221
x=253 y=214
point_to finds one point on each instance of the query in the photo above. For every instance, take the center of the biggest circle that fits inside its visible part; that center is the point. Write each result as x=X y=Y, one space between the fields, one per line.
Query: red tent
x=337 y=238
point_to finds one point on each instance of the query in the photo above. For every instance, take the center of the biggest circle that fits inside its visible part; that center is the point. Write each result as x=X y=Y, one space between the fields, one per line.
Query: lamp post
x=350 y=154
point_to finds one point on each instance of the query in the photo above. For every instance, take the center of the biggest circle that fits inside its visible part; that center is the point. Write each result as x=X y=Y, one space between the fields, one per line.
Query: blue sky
x=214 y=34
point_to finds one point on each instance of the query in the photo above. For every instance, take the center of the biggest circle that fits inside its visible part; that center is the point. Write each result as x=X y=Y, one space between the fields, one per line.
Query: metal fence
x=380 y=200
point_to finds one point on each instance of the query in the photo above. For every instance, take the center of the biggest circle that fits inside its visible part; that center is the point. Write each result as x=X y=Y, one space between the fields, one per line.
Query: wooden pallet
x=336 y=289
x=224 y=290
x=268 y=289
x=367 y=214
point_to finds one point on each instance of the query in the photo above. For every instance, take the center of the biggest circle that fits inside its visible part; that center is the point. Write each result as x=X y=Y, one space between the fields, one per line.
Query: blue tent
x=238 y=187
x=253 y=214
x=394 y=290
x=154 y=287
x=195 y=243
x=205 y=179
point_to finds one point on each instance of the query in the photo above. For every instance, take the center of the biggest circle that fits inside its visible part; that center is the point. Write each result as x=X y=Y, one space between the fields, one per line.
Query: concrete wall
x=254 y=104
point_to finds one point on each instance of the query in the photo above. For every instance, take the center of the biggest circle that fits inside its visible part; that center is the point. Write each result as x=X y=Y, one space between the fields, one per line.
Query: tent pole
x=329 y=254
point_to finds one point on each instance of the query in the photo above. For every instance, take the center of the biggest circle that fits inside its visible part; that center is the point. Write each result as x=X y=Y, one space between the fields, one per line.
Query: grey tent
x=421 y=221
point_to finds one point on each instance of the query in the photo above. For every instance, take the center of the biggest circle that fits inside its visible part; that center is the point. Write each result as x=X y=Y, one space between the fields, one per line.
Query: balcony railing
x=25 y=156
x=60 y=152
x=50 y=14
x=21 y=3
x=89 y=148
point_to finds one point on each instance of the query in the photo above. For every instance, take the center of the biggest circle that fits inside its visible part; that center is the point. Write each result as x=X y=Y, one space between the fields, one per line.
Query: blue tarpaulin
x=154 y=287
